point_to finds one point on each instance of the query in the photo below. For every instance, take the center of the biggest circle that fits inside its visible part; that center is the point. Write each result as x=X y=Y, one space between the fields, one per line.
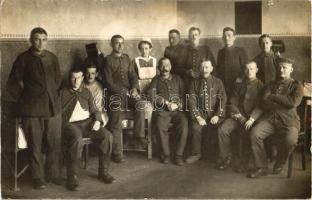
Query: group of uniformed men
x=233 y=96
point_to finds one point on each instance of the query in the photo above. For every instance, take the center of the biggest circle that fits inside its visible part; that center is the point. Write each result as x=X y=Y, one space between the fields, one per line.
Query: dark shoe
x=226 y=163
x=258 y=172
x=107 y=178
x=277 y=169
x=118 y=159
x=240 y=169
x=165 y=159
x=72 y=183
x=38 y=184
x=56 y=181
x=178 y=160
x=192 y=159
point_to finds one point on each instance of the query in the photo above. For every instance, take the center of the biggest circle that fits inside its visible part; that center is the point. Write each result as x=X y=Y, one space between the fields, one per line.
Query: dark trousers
x=196 y=132
x=115 y=122
x=73 y=134
x=226 y=130
x=44 y=135
x=287 y=137
x=163 y=121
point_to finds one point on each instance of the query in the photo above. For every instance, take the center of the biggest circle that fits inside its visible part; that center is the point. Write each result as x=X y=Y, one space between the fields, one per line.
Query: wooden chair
x=16 y=169
x=302 y=141
x=85 y=152
x=128 y=117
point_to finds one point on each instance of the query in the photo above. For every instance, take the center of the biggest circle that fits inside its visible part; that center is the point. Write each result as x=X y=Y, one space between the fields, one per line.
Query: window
x=248 y=17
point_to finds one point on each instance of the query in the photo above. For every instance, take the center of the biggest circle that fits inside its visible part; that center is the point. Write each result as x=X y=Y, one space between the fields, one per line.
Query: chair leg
x=15 y=172
x=303 y=158
x=290 y=165
x=86 y=156
x=149 y=139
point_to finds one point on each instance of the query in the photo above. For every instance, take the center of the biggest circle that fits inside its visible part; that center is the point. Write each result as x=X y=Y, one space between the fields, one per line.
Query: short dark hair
x=229 y=29
x=144 y=42
x=193 y=28
x=174 y=31
x=90 y=63
x=264 y=36
x=115 y=37
x=75 y=70
x=37 y=30
x=251 y=61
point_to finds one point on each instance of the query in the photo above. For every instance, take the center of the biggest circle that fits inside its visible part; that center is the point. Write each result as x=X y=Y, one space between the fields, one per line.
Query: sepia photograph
x=155 y=99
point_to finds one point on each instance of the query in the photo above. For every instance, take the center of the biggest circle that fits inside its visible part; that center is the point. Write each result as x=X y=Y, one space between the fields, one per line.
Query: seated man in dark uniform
x=82 y=119
x=166 y=92
x=244 y=112
x=206 y=104
x=279 y=103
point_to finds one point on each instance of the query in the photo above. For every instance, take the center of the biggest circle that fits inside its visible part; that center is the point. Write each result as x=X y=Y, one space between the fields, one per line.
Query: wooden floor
x=142 y=178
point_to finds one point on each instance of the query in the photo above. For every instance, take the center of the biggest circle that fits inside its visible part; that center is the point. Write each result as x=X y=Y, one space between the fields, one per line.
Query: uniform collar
x=76 y=91
x=34 y=53
x=207 y=79
x=251 y=81
x=283 y=81
x=230 y=48
x=176 y=46
x=271 y=53
x=115 y=56
x=194 y=48
x=165 y=79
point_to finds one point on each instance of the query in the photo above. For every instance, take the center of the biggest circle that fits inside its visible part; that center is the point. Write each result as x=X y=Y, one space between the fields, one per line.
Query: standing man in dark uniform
x=206 y=103
x=266 y=60
x=176 y=53
x=195 y=55
x=166 y=91
x=34 y=82
x=231 y=61
x=244 y=112
x=123 y=88
x=280 y=101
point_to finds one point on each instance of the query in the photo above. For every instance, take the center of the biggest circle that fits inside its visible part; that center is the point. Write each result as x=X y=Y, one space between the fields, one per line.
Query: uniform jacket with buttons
x=119 y=73
x=207 y=98
x=69 y=98
x=195 y=56
x=245 y=98
x=280 y=99
x=267 y=67
x=177 y=56
x=171 y=89
x=34 y=82
x=231 y=63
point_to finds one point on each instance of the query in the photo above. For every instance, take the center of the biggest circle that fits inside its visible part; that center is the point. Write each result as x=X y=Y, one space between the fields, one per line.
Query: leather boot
x=103 y=174
x=72 y=179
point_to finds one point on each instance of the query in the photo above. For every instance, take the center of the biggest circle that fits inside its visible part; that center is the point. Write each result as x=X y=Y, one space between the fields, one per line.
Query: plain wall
x=287 y=17
x=89 y=17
